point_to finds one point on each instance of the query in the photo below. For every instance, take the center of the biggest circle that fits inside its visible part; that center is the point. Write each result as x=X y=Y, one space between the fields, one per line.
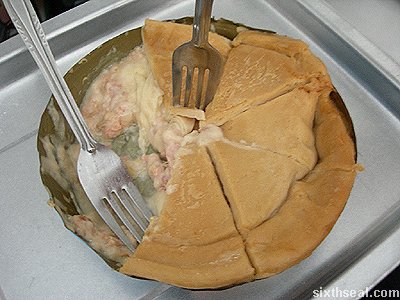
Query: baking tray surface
x=40 y=259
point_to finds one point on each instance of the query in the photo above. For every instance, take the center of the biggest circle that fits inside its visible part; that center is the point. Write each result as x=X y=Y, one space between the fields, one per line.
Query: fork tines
x=185 y=94
x=198 y=67
x=122 y=208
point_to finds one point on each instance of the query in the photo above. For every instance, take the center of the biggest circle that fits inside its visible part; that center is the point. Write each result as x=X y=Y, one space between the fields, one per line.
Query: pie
x=241 y=191
x=260 y=199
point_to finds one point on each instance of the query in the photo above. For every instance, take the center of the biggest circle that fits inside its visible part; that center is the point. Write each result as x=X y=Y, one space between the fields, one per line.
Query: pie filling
x=242 y=191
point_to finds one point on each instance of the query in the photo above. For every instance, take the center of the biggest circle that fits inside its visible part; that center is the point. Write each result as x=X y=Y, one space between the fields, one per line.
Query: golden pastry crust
x=194 y=242
x=255 y=181
x=290 y=47
x=195 y=212
x=306 y=218
x=314 y=203
x=283 y=125
x=266 y=71
x=336 y=142
x=191 y=113
x=271 y=41
x=220 y=264
x=286 y=166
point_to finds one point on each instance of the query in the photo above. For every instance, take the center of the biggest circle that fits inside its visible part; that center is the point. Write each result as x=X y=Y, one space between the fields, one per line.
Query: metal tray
x=40 y=259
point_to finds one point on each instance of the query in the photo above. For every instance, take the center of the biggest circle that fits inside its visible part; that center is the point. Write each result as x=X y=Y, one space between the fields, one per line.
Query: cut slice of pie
x=160 y=40
x=194 y=242
x=220 y=264
x=310 y=211
x=314 y=203
x=283 y=125
x=290 y=47
x=255 y=181
x=256 y=73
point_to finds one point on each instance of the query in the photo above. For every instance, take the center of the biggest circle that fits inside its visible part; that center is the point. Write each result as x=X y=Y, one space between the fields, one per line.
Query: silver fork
x=101 y=172
x=197 y=54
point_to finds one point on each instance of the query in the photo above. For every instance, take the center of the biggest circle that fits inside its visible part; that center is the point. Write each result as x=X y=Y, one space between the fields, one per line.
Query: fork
x=105 y=180
x=197 y=54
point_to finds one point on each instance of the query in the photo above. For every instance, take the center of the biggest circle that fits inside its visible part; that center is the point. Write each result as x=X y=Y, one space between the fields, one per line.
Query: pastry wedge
x=258 y=70
x=255 y=181
x=284 y=45
x=314 y=203
x=194 y=242
x=283 y=125
x=309 y=213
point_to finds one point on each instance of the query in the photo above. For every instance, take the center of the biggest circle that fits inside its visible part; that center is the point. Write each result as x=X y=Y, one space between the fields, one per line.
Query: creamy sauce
x=124 y=94
x=123 y=109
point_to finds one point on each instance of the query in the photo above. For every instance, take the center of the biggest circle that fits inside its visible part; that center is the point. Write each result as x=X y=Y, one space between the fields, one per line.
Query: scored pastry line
x=244 y=145
x=254 y=146
x=289 y=89
x=252 y=263
x=227 y=202
x=239 y=145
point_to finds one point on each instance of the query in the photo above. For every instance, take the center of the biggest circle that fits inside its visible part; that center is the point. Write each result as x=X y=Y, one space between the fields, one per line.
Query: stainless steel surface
x=198 y=56
x=100 y=170
x=378 y=21
x=40 y=259
x=29 y=28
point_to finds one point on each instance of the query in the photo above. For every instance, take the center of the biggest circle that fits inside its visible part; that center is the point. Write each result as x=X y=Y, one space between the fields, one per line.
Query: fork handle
x=201 y=22
x=28 y=25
